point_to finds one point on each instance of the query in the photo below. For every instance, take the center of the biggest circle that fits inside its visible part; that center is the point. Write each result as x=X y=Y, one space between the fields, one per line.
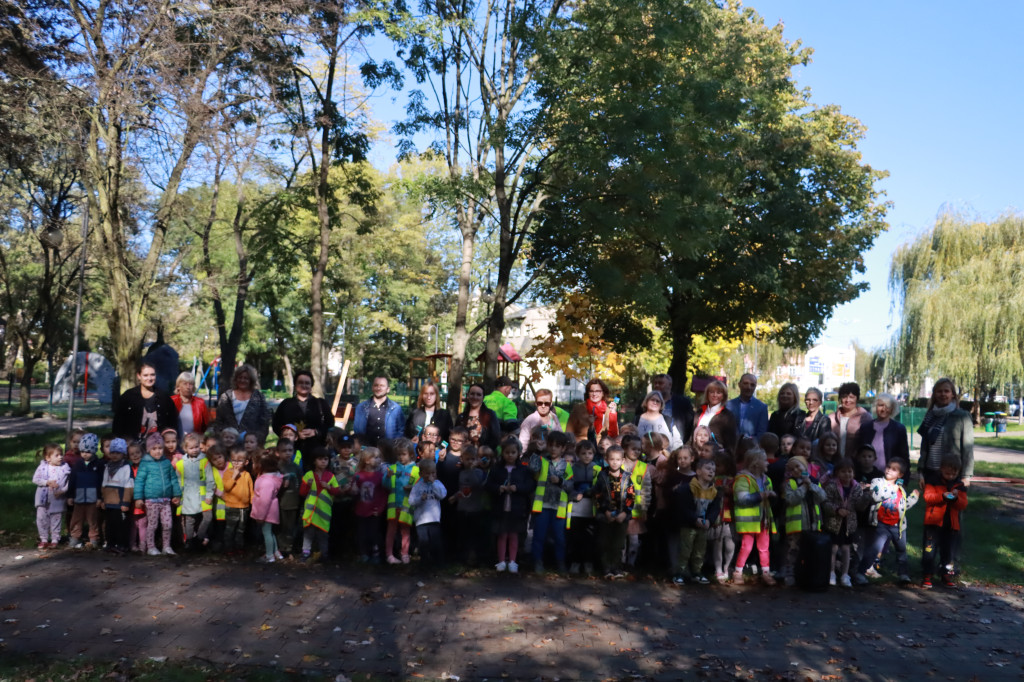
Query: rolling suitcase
x=814 y=562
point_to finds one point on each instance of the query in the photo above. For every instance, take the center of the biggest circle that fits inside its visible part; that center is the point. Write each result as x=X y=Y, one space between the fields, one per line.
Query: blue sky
x=938 y=85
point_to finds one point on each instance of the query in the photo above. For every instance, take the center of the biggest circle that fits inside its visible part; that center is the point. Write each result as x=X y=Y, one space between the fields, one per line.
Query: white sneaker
x=574 y=569
x=153 y=551
x=168 y=551
x=872 y=573
x=845 y=581
x=501 y=566
x=832 y=578
x=513 y=567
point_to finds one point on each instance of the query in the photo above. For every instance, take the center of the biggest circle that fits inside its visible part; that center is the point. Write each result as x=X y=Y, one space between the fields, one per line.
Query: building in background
x=822 y=367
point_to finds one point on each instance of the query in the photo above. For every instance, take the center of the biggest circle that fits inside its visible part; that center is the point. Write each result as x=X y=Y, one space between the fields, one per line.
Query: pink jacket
x=265 y=506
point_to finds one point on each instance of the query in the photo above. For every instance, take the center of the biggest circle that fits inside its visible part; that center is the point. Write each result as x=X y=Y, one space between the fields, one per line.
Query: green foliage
x=695 y=181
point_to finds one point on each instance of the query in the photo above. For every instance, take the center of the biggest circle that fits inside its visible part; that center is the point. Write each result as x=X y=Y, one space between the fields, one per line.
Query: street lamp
x=78 y=318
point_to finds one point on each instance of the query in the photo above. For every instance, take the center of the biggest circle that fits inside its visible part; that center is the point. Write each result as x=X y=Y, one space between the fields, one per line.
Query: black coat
x=442 y=419
x=490 y=427
x=128 y=414
x=521 y=478
x=317 y=416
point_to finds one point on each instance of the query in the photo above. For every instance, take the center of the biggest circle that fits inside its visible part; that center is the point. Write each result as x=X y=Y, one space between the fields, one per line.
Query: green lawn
x=1008 y=442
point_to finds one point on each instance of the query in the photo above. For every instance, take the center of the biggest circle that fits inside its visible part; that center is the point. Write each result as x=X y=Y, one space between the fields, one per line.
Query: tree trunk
x=461 y=337
x=25 y=394
x=682 y=340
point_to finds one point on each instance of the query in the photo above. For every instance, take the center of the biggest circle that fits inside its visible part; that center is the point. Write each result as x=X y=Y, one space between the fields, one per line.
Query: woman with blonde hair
x=717 y=417
x=243 y=406
x=196 y=417
x=652 y=421
x=428 y=411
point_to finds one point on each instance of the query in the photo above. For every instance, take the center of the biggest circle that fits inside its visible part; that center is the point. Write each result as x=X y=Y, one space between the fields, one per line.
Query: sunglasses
x=540 y=404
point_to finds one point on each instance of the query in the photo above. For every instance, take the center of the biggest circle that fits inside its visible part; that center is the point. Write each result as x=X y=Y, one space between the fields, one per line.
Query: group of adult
x=946 y=428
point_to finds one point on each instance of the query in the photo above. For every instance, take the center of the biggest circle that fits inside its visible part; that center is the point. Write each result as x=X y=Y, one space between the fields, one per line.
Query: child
x=371 y=503
x=695 y=502
x=752 y=495
x=843 y=498
x=803 y=511
x=84 y=483
x=237 y=496
x=720 y=534
x=156 y=489
x=251 y=442
x=220 y=471
x=72 y=453
x=582 y=528
x=266 y=508
x=171 y=452
x=639 y=472
x=138 y=529
x=105 y=441
x=864 y=472
x=824 y=461
x=677 y=470
x=511 y=485
x=289 y=500
x=889 y=516
x=118 y=487
x=786 y=445
x=943 y=503
x=468 y=500
x=425 y=501
x=402 y=476
x=701 y=436
x=615 y=497
x=228 y=438
x=195 y=479
x=209 y=440
x=769 y=442
x=342 y=533
x=51 y=479
x=551 y=499
x=319 y=487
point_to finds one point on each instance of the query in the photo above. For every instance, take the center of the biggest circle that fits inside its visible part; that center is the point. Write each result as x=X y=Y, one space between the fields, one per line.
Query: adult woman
x=653 y=421
x=849 y=419
x=144 y=409
x=311 y=417
x=243 y=406
x=785 y=421
x=191 y=409
x=428 y=411
x=885 y=434
x=815 y=422
x=717 y=417
x=544 y=416
x=945 y=430
x=484 y=426
x=596 y=411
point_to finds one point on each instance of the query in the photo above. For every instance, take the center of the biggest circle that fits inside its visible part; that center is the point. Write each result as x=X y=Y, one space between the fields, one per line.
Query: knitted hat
x=801 y=460
x=118 y=445
x=154 y=439
x=90 y=442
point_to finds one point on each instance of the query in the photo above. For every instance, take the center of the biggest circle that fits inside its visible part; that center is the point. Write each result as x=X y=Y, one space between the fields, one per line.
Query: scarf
x=114 y=467
x=708 y=413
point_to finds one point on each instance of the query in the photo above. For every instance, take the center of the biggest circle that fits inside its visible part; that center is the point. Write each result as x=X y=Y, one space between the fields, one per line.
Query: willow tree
x=960 y=317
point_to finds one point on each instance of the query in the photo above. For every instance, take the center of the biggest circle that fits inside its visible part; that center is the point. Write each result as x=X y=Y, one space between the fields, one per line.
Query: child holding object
x=51 y=479
x=266 y=508
x=943 y=503
x=889 y=516
x=752 y=496
x=843 y=499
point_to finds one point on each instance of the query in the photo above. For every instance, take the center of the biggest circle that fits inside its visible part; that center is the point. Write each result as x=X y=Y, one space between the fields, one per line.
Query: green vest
x=595 y=469
x=748 y=519
x=794 y=514
x=542 y=484
x=400 y=510
x=219 y=508
x=637 y=476
x=179 y=466
x=317 y=510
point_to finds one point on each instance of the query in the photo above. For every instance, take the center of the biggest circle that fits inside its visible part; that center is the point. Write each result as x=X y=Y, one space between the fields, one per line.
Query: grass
x=86 y=670
x=1008 y=442
x=18 y=461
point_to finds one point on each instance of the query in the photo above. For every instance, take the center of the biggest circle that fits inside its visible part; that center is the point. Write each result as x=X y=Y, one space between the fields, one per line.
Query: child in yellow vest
x=551 y=499
x=319 y=487
x=195 y=477
x=803 y=511
x=614 y=498
x=752 y=496
x=402 y=476
x=640 y=474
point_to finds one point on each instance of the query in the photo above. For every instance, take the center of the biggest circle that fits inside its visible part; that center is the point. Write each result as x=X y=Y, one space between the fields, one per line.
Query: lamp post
x=78 y=320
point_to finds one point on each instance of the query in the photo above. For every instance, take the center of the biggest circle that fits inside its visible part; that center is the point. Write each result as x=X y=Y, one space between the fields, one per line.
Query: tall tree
x=958 y=318
x=479 y=62
x=697 y=183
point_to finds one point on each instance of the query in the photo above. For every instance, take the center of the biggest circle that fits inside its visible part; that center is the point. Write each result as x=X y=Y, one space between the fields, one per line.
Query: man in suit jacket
x=751 y=414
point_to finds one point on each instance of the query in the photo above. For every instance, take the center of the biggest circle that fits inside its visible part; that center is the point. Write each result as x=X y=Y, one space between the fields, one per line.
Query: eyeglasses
x=812 y=400
x=540 y=404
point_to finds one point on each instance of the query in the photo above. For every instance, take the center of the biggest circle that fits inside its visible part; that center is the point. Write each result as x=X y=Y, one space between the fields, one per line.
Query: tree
x=695 y=182
x=959 y=318
x=479 y=60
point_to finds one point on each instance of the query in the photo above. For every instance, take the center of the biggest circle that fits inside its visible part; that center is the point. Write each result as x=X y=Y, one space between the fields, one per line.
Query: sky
x=938 y=85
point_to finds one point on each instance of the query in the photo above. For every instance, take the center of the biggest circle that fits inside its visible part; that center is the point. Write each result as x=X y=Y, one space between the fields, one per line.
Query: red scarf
x=599 y=409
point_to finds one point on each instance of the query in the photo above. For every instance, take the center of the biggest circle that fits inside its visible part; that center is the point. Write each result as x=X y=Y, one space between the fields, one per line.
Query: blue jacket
x=894 y=438
x=85 y=480
x=754 y=422
x=394 y=420
x=156 y=478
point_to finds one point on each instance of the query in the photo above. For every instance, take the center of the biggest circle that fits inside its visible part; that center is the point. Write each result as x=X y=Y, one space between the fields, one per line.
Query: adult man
x=677 y=409
x=751 y=414
x=499 y=401
x=379 y=418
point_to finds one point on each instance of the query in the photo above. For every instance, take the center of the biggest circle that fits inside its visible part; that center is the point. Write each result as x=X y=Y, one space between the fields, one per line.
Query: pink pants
x=158 y=512
x=747 y=544
x=139 y=533
x=509 y=542
x=48 y=524
x=389 y=539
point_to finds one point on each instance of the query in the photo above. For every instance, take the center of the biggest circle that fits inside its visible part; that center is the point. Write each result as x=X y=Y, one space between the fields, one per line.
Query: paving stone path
x=362 y=623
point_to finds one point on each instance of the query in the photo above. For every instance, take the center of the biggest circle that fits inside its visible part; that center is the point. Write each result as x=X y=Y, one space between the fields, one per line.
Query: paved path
x=397 y=624
x=23 y=426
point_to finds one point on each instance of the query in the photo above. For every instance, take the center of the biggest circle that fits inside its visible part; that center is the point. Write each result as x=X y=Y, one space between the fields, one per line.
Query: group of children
x=587 y=507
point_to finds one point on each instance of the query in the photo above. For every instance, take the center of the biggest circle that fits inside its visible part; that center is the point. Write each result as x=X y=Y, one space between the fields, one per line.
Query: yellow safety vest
x=400 y=510
x=595 y=469
x=179 y=466
x=219 y=507
x=794 y=515
x=317 y=510
x=637 y=476
x=542 y=483
x=748 y=519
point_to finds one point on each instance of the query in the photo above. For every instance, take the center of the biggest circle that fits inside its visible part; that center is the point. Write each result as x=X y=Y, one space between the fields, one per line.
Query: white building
x=522 y=326
x=822 y=367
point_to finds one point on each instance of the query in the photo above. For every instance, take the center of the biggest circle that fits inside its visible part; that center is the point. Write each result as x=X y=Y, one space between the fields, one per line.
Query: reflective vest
x=749 y=518
x=179 y=466
x=542 y=484
x=317 y=509
x=637 y=476
x=794 y=515
x=399 y=509
x=595 y=469
x=219 y=508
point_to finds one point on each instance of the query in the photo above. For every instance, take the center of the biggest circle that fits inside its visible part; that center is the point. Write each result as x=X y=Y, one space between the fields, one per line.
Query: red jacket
x=200 y=415
x=936 y=504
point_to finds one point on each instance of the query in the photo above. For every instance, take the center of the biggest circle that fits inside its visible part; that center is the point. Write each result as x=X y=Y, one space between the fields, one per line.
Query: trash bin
x=1000 y=422
x=988 y=421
